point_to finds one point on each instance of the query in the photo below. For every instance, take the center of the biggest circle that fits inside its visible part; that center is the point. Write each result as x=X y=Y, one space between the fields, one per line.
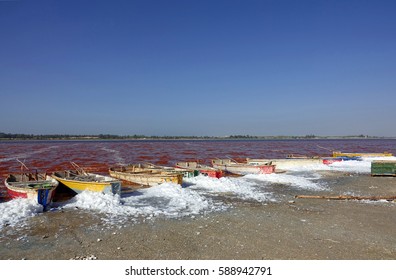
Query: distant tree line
x=18 y=136
x=311 y=136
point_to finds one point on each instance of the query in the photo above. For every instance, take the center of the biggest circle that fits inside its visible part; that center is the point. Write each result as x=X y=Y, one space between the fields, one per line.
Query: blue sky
x=269 y=67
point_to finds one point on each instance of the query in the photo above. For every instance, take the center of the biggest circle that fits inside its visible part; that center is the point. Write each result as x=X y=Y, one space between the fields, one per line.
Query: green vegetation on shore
x=14 y=136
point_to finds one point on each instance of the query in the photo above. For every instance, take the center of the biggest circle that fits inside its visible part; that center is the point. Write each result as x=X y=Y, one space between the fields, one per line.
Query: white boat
x=243 y=168
x=142 y=175
x=287 y=163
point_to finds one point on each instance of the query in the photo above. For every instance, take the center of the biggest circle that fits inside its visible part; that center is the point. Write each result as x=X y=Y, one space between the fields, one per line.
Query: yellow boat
x=340 y=154
x=78 y=180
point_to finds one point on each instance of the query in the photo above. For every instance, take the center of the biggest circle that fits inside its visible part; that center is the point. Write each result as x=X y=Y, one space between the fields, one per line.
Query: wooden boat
x=186 y=172
x=286 y=163
x=78 y=180
x=234 y=167
x=341 y=154
x=294 y=156
x=331 y=160
x=144 y=175
x=201 y=169
x=36 y=186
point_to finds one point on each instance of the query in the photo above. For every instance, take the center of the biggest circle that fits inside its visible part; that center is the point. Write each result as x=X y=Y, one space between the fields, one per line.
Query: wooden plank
x=16 y=184
x=347 y=197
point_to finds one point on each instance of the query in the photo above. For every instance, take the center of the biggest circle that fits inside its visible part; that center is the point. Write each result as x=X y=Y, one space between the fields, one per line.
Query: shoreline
x=198 y=138
x=289 y=229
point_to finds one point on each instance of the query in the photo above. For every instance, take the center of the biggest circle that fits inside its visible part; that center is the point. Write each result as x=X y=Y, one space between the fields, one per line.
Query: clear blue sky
x=269 y=67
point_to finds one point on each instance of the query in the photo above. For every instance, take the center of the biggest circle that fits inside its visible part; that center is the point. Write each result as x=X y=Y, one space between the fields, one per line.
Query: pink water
x=97 y=156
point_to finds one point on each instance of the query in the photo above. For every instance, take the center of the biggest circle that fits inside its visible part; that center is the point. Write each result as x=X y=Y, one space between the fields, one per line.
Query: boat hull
x=211 y=173
x=201 y=169
x=341 y=154
x=242 y=168
x=338 y=159
x=186 y=172
x=287 y=163
x=328 y=161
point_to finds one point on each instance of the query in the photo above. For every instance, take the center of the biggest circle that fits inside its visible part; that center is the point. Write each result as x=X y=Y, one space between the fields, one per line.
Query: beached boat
x=341 y=154
x=287 y=163
x=295 y=156
x=36 y=186
x=186 y=172
x=144 y=175
x=78 y=180
x=330 y=160
x=242 y=168
x=201 y=169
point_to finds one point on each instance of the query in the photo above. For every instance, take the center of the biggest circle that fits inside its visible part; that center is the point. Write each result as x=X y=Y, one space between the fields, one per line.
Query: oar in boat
x=79 y=169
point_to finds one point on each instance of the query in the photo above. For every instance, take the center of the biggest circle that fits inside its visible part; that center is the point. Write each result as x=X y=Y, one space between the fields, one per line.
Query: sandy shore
x=289 y=229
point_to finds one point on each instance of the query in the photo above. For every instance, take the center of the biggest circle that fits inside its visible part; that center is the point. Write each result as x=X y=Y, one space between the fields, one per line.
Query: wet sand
x=289 y=229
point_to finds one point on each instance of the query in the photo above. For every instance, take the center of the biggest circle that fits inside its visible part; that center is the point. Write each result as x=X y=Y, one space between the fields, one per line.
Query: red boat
x=337 y=159
x=36 y=186
x=202 y=169
x=331 y=160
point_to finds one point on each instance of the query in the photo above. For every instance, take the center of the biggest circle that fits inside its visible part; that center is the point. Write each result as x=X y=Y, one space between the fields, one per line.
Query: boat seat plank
x=30 y=182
